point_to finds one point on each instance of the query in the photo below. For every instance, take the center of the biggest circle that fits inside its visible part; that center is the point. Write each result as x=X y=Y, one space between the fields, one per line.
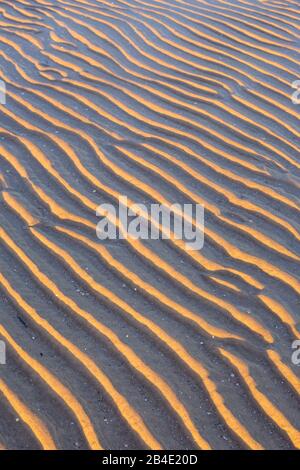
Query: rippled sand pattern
x=135 y=344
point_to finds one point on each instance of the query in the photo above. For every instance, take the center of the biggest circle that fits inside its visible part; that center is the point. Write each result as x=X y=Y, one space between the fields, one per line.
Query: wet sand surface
x=142 y=344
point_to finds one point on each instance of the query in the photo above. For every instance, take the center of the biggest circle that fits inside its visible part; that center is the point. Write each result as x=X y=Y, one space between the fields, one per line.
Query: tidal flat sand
x=143 y=344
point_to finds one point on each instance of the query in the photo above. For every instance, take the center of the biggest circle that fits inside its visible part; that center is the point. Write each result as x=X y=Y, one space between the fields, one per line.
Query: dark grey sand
x=125 y=344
